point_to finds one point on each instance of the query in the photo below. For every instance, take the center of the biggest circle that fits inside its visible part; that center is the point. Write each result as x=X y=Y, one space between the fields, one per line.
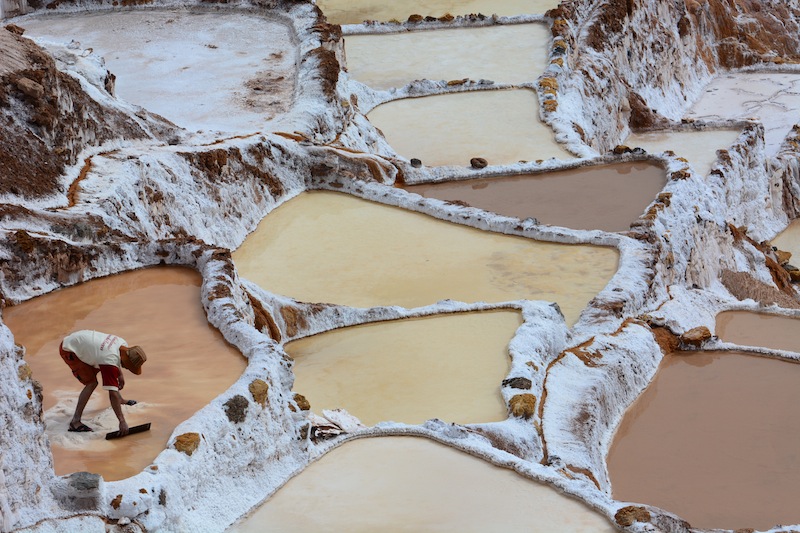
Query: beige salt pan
x=789 y=241
x=698 y=147
x=188 y=363
x=607 y=197
x=357 y=11
x=757 y=329
x=714 y=440
x=502 y=127
x=505 y=54
x=201 y=70
x=407 y=484
x=335 y=248
x=448 y=367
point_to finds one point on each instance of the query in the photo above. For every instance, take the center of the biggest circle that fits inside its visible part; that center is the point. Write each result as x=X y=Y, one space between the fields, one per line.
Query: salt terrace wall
x=614 y=65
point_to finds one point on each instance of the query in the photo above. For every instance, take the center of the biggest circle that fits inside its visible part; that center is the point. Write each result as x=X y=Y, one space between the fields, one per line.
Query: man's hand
x=123 y=428
x=115 y=399
x=121 y=380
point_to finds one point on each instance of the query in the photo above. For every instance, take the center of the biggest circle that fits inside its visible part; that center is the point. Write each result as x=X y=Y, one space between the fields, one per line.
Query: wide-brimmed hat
x=134 y=360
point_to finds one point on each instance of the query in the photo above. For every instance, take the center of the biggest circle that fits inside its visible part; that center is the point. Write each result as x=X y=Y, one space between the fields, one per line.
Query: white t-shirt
x=94 y=348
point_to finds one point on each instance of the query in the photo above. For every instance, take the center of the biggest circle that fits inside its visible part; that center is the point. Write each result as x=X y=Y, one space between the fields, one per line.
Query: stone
x=24 y=372
x=80 y=491
x=627 y=516
x=236 y=409
x=416 y=163
x=302 y=403
x=116 y=502
x=16 y=30
x=696 y=336
x=518 y=383
x=621 y=149
x=187 y=443
x=415 y=19
x=478 y=162
x=30 y=88
x=522 y=405
x=259 y=389
x=782 y=256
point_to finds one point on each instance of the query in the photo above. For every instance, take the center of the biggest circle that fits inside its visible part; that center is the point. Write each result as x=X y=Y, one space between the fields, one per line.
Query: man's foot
x=131 y=402
x=80 y=428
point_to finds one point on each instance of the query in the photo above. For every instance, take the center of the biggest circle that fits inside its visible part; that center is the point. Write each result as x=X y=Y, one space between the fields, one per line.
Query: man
x=89 y=352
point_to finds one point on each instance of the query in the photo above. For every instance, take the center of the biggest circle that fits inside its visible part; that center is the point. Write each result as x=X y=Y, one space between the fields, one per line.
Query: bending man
x=89 y=352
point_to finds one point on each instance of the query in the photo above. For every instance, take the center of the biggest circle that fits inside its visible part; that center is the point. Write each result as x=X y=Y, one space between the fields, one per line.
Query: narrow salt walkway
x=502 y=127
x=408 y=484
x=231 y=72
x=504 y=54
x=771 y=98
x=357 y=11
x=698 y=147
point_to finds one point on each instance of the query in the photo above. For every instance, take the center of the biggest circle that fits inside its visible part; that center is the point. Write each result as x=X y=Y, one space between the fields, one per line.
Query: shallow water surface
x=357 y=11
x=714 y=440
x=201 y=70
x=188 y=363
x=789 y=241
x=698 y=147
x=759 y=329
x=501 y=126
x=447 y=366
x=408 y=484
x=607 y=197
x=504 y=54
x=335 y=248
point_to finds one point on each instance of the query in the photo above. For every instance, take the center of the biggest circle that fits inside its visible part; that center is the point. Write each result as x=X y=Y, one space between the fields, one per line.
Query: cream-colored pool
x=698 y=147
x=502 y=127
x=504 y=54
x=335 y=248
x=408 y=484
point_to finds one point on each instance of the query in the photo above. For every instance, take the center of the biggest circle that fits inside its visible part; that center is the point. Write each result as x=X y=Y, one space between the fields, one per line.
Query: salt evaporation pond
x=789 y=241
x=335 y=248
x=759 y=329
x=713 y=439
x=188 y=363
x=501 y=126
x=357 y=11
x=447 y=366
x=773 y=98
x=407 y=484
x=607 y=197
x=699 y=147
x=507 y=54
x=202 y=70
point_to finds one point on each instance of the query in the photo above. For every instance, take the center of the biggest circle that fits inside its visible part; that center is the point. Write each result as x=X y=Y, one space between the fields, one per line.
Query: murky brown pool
x=357 y=11
x=507 y=54
x=332 y=247
x=759 y=329
x=447 y=366
x=408 y=484
x=698 y=147
x=188 y=363
x=607 y=197
x=502 y=127
x=714 y=440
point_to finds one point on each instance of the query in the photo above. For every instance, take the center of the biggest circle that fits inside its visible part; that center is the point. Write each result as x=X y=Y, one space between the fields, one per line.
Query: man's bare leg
x=83 y=399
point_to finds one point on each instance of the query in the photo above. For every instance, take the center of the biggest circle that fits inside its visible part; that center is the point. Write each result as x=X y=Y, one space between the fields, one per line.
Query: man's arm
x=115 y=398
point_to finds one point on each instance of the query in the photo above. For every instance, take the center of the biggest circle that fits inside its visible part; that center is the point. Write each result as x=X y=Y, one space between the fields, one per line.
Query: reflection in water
x=188 y=363
x=714 y=440
x=408 y=484
x=502 y=127
x=698 y=147
x=504 y=54
x=448 y=367
x=607 y=197
x=758 y=329
x=357 y=11
x=331 y=247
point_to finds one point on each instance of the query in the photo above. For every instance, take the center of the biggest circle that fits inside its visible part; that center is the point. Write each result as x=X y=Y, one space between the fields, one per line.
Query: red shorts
x=83 y=372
